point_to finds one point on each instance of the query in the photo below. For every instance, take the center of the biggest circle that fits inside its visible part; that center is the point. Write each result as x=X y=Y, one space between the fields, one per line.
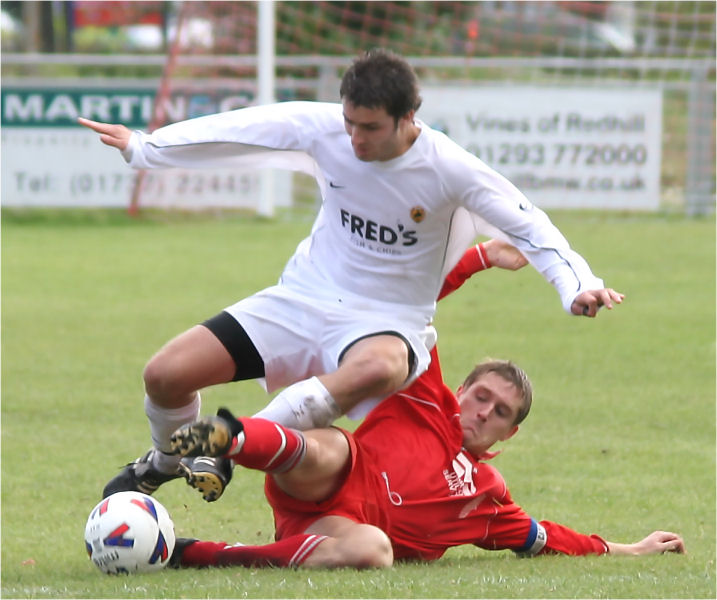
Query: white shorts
x=299 y=337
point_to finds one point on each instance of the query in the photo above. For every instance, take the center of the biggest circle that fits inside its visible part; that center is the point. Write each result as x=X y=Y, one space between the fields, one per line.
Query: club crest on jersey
x=460 y=480
x=418 y=213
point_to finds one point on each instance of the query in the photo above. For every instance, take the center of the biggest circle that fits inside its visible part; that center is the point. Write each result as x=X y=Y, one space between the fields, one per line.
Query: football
x=129 y=532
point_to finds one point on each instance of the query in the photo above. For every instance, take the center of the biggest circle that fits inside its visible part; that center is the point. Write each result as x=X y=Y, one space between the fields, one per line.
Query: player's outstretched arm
x=493 y=253
x=112 y=135
x=588 y=303
x=658 y=542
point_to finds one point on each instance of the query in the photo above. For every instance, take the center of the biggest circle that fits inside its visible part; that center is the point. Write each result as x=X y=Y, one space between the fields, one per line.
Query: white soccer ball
x=129 y=532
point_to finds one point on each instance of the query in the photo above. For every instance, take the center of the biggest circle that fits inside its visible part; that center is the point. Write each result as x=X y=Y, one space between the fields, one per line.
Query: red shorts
x=360 y=498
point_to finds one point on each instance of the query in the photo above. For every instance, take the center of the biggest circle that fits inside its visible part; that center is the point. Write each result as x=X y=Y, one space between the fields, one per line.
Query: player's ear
x=407 y=119
x=510 y=434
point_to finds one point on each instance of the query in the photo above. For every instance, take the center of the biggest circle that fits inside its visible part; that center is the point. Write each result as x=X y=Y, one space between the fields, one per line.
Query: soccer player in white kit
x=349 y=321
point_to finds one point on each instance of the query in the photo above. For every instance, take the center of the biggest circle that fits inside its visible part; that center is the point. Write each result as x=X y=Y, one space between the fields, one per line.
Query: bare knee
x=387 y=372
x=375 y=550
x=193 y=360
x=159 y=382
x=362 y=546
x=378 y=364
x=168 y=380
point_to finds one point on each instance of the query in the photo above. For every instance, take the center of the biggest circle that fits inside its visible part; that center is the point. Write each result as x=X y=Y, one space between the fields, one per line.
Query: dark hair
x=511 y=373
x=381 y=79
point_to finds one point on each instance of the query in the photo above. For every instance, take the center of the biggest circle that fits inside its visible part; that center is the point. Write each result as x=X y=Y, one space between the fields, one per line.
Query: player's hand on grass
x=112 y=135
x=588 y=303
x=503 y=255
x=658 y=542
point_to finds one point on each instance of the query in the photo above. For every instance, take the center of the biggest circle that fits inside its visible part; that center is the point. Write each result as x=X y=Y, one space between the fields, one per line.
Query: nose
x=484 y=410
x=356 y=137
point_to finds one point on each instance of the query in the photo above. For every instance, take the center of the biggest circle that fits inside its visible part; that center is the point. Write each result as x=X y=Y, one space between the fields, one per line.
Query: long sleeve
x=492 y=206
x=504 y=525
x=474 y=260
x=563 y=540
x=273 y=136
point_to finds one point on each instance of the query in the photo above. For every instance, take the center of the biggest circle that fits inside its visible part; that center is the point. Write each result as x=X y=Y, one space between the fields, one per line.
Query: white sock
x=303 y=405
x=163 y=422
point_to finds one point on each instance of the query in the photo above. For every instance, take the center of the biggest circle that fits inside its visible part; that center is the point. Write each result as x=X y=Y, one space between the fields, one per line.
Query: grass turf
x=620 y=441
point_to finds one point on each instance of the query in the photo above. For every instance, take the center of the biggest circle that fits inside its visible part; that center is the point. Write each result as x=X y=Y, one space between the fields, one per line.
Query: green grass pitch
x=620 y=441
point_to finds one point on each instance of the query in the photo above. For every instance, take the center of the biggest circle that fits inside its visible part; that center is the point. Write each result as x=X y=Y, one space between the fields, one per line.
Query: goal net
x=649 y=66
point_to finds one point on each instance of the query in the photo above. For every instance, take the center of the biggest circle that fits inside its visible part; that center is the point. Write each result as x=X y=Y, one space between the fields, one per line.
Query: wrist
x=483 y=256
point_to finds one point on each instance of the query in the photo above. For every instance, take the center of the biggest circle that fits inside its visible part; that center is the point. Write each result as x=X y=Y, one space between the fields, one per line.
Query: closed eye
x=501 y=409
x=368 y=126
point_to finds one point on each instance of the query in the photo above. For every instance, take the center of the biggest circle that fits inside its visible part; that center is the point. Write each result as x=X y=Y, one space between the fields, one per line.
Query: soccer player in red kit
x=409 y=483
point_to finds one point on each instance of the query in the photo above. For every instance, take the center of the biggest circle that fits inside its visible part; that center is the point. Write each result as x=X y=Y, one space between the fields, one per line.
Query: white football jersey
x=387 y=230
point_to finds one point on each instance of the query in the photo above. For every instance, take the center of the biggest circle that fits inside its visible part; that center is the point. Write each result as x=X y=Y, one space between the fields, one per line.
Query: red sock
x=290 y=552
x=270 y=447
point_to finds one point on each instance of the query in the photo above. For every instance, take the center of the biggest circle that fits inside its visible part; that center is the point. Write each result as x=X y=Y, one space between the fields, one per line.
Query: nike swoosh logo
x=336 y=187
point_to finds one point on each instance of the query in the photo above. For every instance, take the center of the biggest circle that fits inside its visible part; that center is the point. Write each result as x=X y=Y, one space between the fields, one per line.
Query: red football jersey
x=411 y=477
x=437 y=494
